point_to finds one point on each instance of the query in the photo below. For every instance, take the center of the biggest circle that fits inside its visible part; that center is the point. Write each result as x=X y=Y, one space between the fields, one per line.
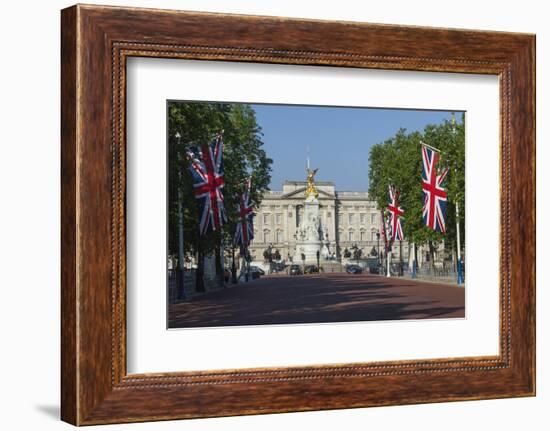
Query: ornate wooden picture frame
x=96 y=41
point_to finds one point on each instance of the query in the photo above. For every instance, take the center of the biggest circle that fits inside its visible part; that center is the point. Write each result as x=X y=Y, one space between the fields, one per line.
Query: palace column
x=290 y=228
x=284 y=228
x=331 y=224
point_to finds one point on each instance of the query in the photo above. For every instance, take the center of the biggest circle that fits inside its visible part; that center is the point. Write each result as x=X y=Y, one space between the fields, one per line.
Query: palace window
x=279 y=238
x=351 y=237
x=373 y=218
x=363 y=236
x=363 y=218
x=351 y=218
x=266 y=236
x=278 y=218
x=266 y=218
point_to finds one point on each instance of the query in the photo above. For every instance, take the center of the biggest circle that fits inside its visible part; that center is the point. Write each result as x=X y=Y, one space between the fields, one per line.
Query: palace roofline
x=277 y=194
x=350 y=193
x=320 y=183
x=294 y=190
x=301 y=183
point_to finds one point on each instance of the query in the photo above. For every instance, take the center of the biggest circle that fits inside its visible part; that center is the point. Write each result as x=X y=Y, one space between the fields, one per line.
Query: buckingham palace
x=348 y=220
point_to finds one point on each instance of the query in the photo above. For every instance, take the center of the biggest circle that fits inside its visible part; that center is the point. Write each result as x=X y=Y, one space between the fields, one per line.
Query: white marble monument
x=311 y=238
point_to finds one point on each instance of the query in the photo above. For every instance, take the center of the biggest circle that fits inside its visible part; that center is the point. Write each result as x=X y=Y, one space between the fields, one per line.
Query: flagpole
x=179 y=276
x=415 y=262
x=221 y=254
x=401 y=258
x=388 y=257
x=247 y=257
x=460 y=277
x=386 y=242
x=429 y=146
x=179 y=271
x=233 y=265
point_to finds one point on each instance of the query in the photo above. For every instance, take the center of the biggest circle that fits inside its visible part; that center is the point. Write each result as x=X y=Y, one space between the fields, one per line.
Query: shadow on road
x=319 y=299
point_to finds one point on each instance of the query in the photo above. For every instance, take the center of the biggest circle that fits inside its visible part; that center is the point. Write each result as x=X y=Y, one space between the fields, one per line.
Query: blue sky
x=339 y=139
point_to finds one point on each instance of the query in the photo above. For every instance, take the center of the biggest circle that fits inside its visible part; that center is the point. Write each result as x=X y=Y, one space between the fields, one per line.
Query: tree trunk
x=219 y=265
x=432 y=256
x=199 y=279
x=180 y=286
x=415 y=260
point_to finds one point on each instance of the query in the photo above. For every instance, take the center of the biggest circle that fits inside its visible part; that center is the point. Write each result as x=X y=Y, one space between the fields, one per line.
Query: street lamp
x=378 y=249
x=400 y=258
x=318 y=266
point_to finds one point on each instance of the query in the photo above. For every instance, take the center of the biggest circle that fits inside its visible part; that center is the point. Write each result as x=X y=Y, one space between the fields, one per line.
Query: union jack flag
x=206 y=166
x=396 y=212
x=245 y=229
x=435 y=196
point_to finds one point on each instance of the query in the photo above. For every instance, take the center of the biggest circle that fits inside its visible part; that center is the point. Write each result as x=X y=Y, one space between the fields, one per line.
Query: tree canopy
x=192 y=124
x=398 y=162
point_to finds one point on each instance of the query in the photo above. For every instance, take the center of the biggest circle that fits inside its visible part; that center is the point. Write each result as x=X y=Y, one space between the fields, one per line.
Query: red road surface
x=283 y=299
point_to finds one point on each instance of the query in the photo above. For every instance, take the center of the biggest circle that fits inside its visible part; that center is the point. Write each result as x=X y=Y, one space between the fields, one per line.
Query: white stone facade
x=348 y=219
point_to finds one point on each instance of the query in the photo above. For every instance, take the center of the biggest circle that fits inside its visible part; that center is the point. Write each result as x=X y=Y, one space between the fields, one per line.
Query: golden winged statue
x=311 y=190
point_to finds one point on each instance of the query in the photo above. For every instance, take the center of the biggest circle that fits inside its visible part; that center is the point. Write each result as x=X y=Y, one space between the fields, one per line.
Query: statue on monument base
x=310 y=234
x=311 y=190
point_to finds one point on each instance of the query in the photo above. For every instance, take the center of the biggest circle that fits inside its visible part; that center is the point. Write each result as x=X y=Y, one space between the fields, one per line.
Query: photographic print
x=293 y=214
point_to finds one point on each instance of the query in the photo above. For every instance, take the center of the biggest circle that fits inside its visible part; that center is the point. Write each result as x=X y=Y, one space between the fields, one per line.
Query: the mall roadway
x=280 y=299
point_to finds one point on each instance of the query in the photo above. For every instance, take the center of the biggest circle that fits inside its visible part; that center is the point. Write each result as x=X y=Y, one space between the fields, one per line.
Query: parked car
x=254 y=274
x=311 y=269
x=279 y=267
x=354 y=269
x=257 y=269
x=295 y=270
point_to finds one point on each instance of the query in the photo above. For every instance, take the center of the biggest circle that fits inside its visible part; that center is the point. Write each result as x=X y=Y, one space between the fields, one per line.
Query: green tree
x=449 y=138
x=192 y=124
x=398 y=162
